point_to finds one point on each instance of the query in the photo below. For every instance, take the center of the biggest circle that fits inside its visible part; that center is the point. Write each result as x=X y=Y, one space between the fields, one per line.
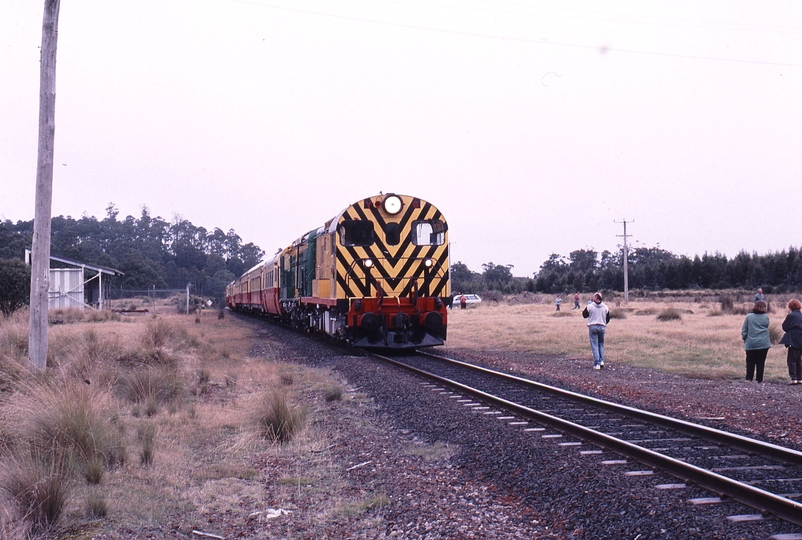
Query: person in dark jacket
x=755 y=333
x=792 y=326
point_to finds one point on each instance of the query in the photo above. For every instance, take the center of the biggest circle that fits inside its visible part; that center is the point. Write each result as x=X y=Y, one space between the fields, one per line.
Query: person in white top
x=598 y=315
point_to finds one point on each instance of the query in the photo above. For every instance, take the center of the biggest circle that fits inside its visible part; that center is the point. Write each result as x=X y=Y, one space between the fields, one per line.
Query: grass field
x=704 y=342
x=143 y=420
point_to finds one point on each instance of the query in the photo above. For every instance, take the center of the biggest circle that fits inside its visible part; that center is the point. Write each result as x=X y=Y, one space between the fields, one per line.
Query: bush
x=669 y=314
x=275 y=419
x=618 y=313
x=15 y=285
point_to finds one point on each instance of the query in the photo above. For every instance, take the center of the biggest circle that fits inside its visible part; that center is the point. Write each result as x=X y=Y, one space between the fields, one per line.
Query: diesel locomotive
x=375 y=275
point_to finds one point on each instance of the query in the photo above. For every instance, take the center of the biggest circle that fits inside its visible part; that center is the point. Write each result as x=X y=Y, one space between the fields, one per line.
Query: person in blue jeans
x=598 y=315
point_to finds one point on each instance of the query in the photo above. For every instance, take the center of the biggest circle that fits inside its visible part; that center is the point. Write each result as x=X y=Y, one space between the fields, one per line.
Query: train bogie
x=376 y=275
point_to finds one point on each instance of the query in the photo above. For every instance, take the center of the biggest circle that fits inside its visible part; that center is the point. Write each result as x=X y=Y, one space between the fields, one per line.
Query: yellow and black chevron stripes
x=398 y=263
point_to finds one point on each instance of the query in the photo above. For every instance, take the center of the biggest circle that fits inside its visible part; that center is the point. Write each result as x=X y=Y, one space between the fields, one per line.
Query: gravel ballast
x=475 y=476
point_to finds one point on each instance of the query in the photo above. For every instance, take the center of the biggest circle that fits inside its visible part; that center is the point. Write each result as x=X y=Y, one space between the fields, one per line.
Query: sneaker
x=597 y=366
x=601 y=363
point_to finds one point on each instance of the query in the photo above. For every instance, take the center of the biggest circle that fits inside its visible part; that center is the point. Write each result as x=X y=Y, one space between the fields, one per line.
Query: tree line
x=152 y=252
x=586 y=270
x=657 y=269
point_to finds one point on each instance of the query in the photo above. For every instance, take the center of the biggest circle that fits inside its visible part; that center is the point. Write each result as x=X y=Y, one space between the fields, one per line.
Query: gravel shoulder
x=445 y=472
x=394 y=458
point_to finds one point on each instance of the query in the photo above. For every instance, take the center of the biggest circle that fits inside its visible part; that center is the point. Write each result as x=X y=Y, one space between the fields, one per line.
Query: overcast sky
x=535 y=126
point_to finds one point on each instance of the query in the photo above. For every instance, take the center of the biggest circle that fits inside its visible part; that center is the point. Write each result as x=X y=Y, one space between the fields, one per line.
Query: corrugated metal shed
x=77 y=285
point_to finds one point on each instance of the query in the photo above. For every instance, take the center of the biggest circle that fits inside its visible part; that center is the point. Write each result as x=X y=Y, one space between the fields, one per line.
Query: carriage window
x=428 y=233
x=356 y=233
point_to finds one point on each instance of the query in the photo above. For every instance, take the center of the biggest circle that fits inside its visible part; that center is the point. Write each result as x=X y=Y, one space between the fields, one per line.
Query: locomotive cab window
x=428 y=233
x=356 y=233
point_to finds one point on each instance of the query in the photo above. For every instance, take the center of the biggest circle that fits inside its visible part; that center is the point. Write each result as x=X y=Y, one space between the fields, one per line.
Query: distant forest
x=149 y=250
x=156 y=253
x=657 y=269
x=647 y=268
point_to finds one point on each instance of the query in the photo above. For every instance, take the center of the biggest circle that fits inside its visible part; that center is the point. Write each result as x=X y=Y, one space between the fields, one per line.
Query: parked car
x=469 y=299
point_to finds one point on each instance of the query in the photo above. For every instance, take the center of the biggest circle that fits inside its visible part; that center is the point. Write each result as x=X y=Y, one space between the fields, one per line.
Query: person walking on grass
x=576 y=300
x=598 y=315
x=792 y=326
x=755 y=333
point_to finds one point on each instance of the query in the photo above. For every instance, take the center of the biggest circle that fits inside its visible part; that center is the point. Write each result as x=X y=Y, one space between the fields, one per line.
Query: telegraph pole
x=40 y=263
x=626 y=275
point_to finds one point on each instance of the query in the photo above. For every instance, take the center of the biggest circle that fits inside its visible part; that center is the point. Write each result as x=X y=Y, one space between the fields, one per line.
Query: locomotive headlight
x=428 y=263
x=392 y=204
x=368 y=263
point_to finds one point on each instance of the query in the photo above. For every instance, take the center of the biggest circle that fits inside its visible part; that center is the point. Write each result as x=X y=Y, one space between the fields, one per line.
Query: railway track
x=761 y=475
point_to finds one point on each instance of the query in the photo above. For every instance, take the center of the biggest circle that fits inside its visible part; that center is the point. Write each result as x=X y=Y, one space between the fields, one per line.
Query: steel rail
x=773 y=451
x=765 y=502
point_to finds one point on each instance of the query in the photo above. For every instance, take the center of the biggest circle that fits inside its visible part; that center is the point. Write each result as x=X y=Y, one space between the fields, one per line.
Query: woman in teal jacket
x=755 y=333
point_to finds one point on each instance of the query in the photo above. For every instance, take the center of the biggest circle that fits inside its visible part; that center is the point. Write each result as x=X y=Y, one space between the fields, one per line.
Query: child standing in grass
x=755 y=333
x=792 y=326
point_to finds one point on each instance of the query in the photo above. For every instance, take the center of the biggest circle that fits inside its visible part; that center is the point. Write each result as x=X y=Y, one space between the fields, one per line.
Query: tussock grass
x=14 y=334
x=618 y=313
x=39 y=486
x=775 y=333
x=669 y=314
x=275 y=418
x=96 y=506
x=73 y=417
x=333 y=393
x=140 y=440
x=146 y=435
x=153 y=386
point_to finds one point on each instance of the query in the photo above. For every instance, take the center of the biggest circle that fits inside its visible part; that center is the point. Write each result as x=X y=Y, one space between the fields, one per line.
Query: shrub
x=669 y=314
x=15 y=285
x=275 y=419
x=618 y=313
x=492 y=296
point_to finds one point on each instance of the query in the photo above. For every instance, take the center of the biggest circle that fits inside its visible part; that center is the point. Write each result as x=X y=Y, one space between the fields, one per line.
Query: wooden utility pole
x=626 y=276
x=40 y=263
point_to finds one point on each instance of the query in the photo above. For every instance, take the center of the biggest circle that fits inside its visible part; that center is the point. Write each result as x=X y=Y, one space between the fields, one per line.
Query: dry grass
x=154 y=417
x=705 y=342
